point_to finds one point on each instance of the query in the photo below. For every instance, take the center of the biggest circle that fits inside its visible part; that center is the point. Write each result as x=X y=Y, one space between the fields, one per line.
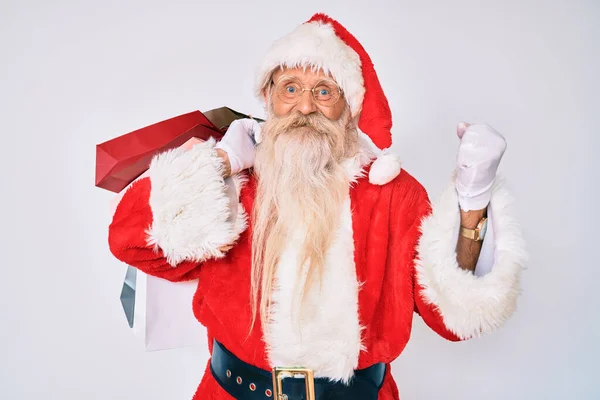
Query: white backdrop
x=76 y=73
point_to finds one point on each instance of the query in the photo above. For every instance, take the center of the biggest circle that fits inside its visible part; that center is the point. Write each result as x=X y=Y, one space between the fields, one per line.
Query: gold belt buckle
x=280 y=373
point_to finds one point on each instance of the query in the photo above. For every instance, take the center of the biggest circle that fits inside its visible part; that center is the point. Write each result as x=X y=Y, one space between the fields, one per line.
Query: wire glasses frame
x=326 y=92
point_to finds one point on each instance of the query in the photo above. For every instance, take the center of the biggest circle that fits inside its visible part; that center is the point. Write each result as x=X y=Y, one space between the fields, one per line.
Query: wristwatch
x=477 y=234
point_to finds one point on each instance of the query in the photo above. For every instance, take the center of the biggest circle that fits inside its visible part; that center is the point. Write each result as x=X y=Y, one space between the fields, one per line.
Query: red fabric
x=376 y=116
x=127 y=236
x=386 y=222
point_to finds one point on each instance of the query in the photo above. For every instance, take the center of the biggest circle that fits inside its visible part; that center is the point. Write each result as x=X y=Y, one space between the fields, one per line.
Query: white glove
x=479 y=153
x=238 y=143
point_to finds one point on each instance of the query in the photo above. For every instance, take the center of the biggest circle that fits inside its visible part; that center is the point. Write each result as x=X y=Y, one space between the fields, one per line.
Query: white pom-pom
x=385 y=169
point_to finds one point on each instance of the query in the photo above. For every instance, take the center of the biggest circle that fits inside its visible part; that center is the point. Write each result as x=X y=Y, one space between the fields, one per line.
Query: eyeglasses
x=326 y=92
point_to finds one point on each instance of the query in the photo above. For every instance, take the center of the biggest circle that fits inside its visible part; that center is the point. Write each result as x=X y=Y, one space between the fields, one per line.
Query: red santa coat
x=392 y=257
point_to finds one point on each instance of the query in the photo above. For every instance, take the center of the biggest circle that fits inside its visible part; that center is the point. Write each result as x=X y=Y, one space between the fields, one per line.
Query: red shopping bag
x=121 y=160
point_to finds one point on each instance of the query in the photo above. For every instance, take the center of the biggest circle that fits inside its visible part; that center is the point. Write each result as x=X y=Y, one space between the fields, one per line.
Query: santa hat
x=325 y=44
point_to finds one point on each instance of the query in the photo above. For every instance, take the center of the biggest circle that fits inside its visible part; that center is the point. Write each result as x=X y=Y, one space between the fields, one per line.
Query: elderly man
x=309 y=277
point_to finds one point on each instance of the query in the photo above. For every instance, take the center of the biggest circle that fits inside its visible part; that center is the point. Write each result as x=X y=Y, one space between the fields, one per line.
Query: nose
x=306 y=105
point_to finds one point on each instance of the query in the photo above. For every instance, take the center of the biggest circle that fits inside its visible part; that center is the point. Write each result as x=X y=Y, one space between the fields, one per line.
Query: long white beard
x=301 y=185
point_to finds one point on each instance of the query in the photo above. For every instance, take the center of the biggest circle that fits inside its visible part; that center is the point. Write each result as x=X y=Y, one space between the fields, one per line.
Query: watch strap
x=473 y=234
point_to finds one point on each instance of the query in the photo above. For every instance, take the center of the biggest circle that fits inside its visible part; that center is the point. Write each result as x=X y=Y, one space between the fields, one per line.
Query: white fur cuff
x=470 y=305
x=192 y=214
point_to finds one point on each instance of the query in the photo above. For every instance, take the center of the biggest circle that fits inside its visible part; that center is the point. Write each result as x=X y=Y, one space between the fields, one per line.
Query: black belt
x=247 y=382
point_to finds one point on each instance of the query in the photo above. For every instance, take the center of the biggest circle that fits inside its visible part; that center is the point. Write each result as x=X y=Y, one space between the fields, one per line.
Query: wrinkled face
x=306 y=104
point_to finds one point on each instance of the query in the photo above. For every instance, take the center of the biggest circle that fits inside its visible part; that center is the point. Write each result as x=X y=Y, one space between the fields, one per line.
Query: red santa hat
x=325 y=44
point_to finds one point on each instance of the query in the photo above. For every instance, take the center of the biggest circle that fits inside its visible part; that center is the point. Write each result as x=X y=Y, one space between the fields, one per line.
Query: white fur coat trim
x=315 y=45
x=326 y=337
x=191 y=210
x=471 y=305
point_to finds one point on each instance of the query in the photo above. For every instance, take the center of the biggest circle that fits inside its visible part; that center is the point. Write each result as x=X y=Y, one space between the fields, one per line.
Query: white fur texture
x=327 y=337
x=471 y=305
x=385 y=169
x=191 y=210
x=316 y=45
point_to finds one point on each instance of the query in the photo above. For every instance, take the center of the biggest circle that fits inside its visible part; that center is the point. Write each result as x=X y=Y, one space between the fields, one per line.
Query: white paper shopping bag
x=160 y=311
x=163 y=318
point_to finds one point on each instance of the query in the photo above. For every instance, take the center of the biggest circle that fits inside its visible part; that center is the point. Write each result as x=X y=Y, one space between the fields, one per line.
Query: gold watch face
x=483 y=229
